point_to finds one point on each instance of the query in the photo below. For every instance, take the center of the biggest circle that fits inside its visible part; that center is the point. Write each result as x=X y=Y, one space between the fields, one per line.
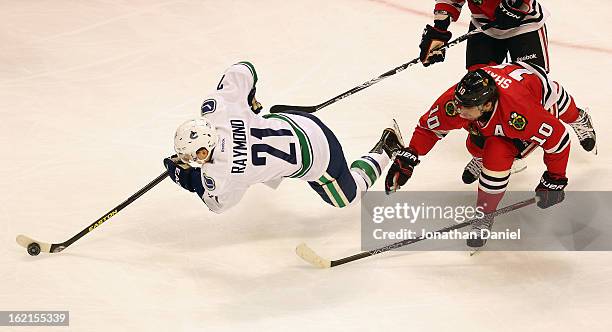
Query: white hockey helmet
x=192 y=136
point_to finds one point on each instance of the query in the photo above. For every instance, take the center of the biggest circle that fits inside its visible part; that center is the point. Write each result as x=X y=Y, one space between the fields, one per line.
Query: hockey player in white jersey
x=231 y=147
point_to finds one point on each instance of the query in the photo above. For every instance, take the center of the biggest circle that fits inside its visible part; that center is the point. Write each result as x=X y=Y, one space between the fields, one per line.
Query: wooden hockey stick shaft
x=312 y=109
x=24 y=241
x=311 y=257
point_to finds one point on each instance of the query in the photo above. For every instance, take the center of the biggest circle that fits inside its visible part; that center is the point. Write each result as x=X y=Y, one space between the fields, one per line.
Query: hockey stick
x=311 y=257
x=35 y=247
x=312 y=109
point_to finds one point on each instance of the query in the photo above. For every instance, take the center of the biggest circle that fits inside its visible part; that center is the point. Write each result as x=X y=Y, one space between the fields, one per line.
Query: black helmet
x=476 y=88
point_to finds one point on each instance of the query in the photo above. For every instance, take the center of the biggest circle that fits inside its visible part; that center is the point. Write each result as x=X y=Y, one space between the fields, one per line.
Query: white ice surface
x=90 y=95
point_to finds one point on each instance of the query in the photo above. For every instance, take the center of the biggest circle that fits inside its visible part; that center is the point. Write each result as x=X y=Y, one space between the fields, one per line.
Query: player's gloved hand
x=401 y=169
x=550 y=190
x=509 y=14
x=432 y=38
x=184 y=175
x=255 y=105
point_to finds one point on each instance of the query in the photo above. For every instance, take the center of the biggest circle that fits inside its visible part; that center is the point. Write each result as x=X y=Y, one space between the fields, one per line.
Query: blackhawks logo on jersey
x=450 y=108
x=517 y=121
x=477 y=2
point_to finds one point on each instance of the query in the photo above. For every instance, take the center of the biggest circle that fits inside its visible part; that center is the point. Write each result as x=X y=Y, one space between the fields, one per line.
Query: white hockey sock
x=368 y=168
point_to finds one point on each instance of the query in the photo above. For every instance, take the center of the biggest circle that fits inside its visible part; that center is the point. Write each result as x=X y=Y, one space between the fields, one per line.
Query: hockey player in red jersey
x=508 y=110
x=519 y=29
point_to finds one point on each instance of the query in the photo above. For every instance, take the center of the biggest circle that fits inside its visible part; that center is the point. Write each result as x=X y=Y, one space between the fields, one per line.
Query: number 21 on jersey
x=258 y=149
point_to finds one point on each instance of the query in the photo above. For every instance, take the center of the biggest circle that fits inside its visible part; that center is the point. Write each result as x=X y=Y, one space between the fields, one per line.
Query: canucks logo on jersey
x=209 y=182
x=208 y=106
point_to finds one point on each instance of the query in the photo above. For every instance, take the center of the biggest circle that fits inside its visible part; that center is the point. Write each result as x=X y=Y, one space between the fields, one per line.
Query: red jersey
x=526 y=109
x=483 y=12
x=483 y=7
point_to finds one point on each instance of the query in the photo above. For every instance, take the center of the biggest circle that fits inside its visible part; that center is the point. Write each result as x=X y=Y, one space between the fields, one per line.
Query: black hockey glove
x=430 y=35
x=401 y=169
x=184 y=175
x=550 y=190
x=253 y=103
x=508 y=15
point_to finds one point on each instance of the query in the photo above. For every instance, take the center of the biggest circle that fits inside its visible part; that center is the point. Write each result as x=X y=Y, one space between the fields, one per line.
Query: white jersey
x=252 y=148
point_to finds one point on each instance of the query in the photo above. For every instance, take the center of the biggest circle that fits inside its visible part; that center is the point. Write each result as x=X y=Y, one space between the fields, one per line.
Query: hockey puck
x=33 y=249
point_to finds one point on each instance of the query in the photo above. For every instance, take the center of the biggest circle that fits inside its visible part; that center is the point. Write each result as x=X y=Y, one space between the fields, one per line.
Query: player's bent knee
x=473 y=148
x=499 y=153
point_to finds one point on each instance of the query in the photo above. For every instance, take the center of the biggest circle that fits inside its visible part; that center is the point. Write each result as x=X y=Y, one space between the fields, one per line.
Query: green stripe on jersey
x=305 y=146
x=334 y=194
x=366 y=168
x=251 y=69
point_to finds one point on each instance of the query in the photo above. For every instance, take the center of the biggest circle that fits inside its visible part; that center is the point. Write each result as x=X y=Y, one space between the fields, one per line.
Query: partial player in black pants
x=518 y=27
x=530 y=47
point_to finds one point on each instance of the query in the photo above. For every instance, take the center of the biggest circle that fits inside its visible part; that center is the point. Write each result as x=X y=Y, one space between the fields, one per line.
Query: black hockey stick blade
x=285 y=108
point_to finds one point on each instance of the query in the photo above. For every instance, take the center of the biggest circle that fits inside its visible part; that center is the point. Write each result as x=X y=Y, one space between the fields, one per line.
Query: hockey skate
x=472 y=170
x=476 y=239
x=390 y=142
x=583 y=127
